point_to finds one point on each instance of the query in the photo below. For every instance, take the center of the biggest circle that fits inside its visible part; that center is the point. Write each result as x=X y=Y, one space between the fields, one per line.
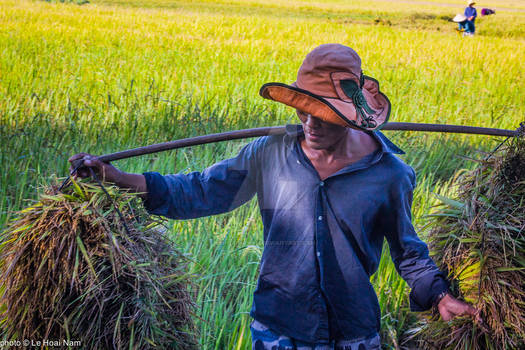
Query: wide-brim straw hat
x=470 y=2
x=459 y=18
x=331 y=86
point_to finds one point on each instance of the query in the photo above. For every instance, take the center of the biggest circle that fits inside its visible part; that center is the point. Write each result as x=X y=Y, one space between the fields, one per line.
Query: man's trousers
x=263 y=338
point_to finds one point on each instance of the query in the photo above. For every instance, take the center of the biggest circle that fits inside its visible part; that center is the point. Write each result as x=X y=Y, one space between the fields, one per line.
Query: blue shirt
x=471 y=11
x=322 y=239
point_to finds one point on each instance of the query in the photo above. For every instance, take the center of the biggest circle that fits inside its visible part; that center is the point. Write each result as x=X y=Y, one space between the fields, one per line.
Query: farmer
x=470 y=14
x=487 y=12
x=461 y=19
x=329 y=192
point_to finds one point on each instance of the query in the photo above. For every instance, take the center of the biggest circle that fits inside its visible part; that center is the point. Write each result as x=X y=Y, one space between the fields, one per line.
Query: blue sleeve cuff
x=157 y=192
x=426 y=291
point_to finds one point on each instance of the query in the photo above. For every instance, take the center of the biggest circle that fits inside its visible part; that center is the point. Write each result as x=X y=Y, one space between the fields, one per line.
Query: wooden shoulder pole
x=276 y=130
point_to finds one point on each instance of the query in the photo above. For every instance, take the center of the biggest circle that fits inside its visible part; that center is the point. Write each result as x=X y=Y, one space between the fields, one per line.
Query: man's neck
x=352 y=146
x=348 y=150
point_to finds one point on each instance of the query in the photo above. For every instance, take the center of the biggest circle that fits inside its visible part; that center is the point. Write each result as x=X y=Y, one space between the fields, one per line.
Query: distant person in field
x=329 y=191
x=487 y=12
x=468 y=24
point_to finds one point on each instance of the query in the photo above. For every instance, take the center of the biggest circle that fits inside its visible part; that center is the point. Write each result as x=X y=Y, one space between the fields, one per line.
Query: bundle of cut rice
x=71 y=271
x=479 y=238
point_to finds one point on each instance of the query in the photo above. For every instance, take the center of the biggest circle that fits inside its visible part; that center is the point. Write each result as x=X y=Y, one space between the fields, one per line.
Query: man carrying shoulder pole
x=329 y=192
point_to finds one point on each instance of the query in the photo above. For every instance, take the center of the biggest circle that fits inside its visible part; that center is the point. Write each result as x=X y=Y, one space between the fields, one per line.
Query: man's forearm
x=135 y=182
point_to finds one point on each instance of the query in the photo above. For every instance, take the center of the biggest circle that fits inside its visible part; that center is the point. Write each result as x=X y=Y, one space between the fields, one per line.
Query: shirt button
x=321 y=183
x=318 y=254
x=320 y=218
x=298 y=162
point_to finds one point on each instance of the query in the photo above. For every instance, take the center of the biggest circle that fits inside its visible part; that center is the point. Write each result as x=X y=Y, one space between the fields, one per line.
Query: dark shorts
x=263 y=338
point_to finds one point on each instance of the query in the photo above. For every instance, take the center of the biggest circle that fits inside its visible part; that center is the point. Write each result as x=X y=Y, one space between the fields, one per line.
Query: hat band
x=363 y=110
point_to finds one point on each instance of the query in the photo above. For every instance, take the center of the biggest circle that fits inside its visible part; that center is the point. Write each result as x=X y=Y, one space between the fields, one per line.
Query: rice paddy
x=113 y=74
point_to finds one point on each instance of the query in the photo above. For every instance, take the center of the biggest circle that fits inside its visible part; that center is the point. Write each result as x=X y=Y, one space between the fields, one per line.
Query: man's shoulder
x=398 y=171
x=266 y=143
x=263 y=148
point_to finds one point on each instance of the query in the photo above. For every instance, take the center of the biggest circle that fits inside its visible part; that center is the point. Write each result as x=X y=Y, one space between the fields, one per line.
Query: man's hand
x=107 y=172
x=450 y=307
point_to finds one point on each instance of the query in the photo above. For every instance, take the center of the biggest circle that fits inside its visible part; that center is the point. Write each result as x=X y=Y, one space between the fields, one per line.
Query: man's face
x=318 y=134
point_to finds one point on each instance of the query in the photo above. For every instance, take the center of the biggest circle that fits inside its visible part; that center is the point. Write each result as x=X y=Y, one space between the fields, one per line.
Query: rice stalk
x=71 y=271
x=479 y=238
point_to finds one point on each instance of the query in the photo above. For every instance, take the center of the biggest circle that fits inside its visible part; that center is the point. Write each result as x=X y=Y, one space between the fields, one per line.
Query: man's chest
x=326 y=169
x=297 y=186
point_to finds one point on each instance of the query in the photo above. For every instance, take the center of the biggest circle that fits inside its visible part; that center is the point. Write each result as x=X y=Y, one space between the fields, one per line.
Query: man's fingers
x=450 y=307
x=77 y=156
x=78 y=172
x=105 y=171
x=460 y=308
x=89 y=161
x=474 y=313
x=469 y=310
x=447 y=316
x=94 y=162
x=74 y=169
x=82 y=173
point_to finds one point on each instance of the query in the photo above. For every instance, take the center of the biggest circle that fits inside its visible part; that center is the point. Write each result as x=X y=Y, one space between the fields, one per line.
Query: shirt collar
x=293 y=131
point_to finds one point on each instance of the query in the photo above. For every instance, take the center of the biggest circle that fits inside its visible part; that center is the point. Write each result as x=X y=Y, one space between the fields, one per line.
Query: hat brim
x=332 y=110
x=459 y=18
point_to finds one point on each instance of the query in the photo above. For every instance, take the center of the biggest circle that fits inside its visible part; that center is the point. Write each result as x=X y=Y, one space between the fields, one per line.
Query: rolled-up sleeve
x=218 y=189
x=409 y=253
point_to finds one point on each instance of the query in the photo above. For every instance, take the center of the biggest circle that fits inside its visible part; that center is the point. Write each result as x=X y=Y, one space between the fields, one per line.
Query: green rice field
x=114 y=74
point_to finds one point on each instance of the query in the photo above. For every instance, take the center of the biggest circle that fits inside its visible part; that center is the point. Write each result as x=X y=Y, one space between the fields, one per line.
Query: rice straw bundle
x=71 y=271
x=480 y=240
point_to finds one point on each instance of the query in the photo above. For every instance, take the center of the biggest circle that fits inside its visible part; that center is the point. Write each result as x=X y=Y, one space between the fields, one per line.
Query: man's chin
x=315 y=145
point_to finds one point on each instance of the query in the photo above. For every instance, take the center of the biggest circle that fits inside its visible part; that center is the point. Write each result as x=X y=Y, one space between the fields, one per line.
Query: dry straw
x=479 y=238
x=71 y=271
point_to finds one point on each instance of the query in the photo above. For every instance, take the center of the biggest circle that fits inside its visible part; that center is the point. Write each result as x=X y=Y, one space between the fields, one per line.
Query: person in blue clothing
x=330 y=191
x=468 y=24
